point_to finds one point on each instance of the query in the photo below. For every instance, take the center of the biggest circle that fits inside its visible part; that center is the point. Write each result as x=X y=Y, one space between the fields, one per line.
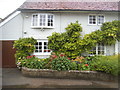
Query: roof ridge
x=72 y=0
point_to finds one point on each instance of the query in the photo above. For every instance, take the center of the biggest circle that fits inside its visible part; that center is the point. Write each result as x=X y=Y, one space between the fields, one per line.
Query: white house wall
x=12 y=30
x=62 y=19
x=20 y=25
x=110 y=50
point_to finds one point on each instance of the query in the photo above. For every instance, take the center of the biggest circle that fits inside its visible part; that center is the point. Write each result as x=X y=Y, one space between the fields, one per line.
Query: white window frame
x=46 y=20
x=89 y=19
x=97 y=50
x=42 y=53
x=96 y=19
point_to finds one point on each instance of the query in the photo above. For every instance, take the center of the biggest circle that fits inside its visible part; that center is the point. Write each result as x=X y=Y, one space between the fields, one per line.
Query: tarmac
x=13 y=78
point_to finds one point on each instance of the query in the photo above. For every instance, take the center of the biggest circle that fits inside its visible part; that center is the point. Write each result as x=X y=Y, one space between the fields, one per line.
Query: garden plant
x=68 y=47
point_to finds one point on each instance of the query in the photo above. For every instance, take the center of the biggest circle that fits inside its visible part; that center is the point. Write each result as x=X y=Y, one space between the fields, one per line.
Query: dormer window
x=42 y=21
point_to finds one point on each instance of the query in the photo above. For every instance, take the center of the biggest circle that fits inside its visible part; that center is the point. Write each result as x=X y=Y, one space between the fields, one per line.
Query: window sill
x=42 y=53
x=94 y=24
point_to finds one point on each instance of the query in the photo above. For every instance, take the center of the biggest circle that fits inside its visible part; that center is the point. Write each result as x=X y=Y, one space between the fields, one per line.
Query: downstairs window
x=41 y=47
x=99 y=49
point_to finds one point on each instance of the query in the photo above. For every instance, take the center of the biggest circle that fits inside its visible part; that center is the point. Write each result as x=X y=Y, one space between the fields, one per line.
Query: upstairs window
x=100 y=19
x=96 y=19
x=92 y=19
x=42 y=21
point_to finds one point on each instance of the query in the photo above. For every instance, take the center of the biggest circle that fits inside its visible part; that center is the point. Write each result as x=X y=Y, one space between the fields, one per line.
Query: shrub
x=24 y=47
x=74 y=66
x=67 y=42
x=33 y=62
x=107 y=64
x=81 y=63
x=61 y=63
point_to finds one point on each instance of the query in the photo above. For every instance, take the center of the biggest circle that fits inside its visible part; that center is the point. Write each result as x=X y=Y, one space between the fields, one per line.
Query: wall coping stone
x=70 y=74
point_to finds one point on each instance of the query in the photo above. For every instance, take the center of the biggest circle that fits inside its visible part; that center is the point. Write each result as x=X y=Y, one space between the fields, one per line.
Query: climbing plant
x=71 y=43
x=24 y=47
x=67 y=42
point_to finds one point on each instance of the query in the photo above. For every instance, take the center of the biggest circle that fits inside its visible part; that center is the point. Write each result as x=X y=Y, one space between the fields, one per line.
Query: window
x=42 y=47
x=100 y=19
x=99 y=49
x=96 y=19
x=92 y=19
x=42 y=21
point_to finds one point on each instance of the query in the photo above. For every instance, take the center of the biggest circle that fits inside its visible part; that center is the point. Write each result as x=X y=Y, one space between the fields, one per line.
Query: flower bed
x=69 y=74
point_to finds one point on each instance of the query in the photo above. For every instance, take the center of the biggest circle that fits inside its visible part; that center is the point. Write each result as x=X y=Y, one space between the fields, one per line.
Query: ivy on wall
x=71 y=43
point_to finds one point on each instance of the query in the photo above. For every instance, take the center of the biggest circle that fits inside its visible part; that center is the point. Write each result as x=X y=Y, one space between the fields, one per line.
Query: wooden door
x=8 y=58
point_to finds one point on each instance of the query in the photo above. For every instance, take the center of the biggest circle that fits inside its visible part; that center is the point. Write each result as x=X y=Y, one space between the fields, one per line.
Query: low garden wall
x=71 y=74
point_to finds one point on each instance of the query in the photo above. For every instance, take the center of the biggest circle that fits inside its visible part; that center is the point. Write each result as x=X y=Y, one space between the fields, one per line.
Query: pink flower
x=69 y=58
x=62 y=54
x=86 y=65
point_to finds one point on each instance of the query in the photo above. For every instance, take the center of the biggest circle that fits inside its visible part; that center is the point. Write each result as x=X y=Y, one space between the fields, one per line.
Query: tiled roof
x=102 y=6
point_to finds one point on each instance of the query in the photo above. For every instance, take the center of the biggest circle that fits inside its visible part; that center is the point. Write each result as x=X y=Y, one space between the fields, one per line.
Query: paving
x=13 y=78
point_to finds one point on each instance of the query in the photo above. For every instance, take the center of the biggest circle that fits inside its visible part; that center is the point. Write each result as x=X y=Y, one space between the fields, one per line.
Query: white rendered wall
x=12 y=30
x=62 y=19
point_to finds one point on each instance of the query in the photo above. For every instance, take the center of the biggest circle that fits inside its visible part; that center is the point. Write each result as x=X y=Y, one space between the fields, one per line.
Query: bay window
x=42 y=21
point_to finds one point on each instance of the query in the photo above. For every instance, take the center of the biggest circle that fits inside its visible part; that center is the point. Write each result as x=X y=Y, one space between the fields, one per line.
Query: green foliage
x=33 y=63
x=74 y=66
x=111 y=32
x=108 y=64
x=72 y=45
x=108 y=34
x=61 y=63
x=24 y=46
x=67 y=42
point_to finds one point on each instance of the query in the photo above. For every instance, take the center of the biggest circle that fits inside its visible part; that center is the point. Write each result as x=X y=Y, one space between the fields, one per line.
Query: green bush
x=71 y=43
x=67 y=42
x=61 y=63
x=24 y=47
x=107 y=64
x=74 y=66
x=33 y=63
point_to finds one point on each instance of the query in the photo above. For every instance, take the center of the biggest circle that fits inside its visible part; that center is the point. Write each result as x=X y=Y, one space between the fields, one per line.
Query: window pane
x=100 y=19
x=40 y=47
x=50 y=20
x=45 y=47
x=35 y=20
x=45 y=43
x=101 y=49
x=36 y=43
x=42 y=20
x=36 y=50
x=92 y=19
x=40 y=50
x=40 y=43
x=36 y=47
x=93 y=51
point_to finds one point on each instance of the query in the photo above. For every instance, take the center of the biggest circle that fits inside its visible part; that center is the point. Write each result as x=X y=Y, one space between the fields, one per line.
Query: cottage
x=39 y=19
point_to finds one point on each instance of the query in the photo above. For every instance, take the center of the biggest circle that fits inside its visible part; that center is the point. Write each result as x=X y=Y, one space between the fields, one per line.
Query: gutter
x=25 y=10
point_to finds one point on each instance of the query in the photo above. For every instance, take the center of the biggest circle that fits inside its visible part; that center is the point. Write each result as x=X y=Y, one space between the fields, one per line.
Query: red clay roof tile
x=107 y=6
